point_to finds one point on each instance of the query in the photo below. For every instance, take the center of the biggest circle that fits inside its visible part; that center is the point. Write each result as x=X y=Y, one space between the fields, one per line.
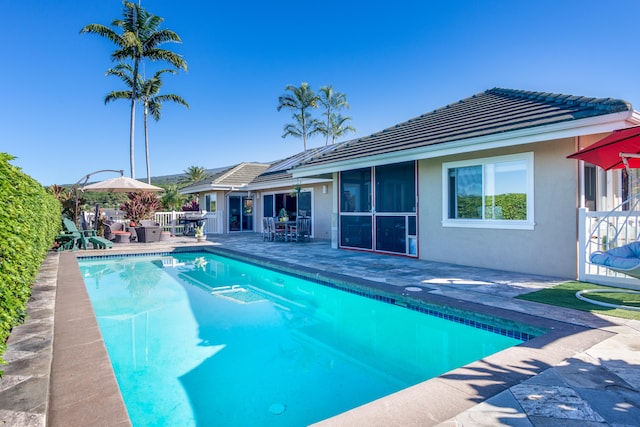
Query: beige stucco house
x=481 y=182
x=238 y=197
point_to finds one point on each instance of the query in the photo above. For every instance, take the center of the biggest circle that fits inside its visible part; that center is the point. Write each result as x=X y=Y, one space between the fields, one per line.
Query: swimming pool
x=196 y=338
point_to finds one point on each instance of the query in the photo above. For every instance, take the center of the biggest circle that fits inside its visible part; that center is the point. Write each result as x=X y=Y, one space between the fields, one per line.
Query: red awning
x=606 y=152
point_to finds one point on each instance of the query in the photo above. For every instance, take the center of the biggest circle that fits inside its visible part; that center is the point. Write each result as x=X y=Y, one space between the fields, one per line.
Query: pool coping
x=83 y=389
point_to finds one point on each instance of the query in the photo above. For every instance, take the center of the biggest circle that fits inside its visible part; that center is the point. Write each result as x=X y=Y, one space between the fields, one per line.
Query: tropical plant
x=147 y=95
x=193 y=174
x=334 y=124
x=300 y=101
x=304 y=127
x=191 y=206
x=199 y=230
x=141 y=205
x=171 y=199
x=65 y=196
x=140 y=38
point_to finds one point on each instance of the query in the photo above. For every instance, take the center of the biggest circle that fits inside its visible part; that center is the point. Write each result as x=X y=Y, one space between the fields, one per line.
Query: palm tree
x=337 y=126
x=171 y=198
x=148 y=95
x=194 y=174
x=140 y=38
x=300 y=100
x=297 y=129
x=332 y=102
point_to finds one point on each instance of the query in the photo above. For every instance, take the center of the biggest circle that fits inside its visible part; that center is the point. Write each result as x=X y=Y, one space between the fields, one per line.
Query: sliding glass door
x=296 y=204
x=240 y=213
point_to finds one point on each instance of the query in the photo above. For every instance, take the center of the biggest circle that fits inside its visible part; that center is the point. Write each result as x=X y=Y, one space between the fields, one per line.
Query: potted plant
x=200 y=236
x=284 y=215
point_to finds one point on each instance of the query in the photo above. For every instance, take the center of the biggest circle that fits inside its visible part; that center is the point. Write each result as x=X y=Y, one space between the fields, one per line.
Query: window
x=396 y=188
x=493 y=192
x=210 y=202
x=355 y=190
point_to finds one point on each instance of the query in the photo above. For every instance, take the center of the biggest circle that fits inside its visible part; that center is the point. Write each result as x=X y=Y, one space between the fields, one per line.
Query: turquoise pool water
x=196 y=339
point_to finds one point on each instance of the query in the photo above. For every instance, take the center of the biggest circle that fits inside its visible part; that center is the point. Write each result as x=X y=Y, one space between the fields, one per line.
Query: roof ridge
x=609 y=104
x=226 y=173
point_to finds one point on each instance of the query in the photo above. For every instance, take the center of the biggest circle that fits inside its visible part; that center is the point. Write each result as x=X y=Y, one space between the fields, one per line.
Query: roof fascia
x=287 y=183
x=213 y=187
x=591 y=125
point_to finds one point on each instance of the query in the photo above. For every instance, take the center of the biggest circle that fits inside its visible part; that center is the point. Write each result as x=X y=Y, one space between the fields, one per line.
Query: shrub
x=29 y=221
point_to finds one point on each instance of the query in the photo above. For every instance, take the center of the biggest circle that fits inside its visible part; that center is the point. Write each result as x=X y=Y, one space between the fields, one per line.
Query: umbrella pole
x=84 y=180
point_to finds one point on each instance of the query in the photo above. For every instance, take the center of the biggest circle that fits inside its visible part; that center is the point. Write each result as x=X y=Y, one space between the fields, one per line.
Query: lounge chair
x=86 y=236
x=625 y=259
x=68 y=240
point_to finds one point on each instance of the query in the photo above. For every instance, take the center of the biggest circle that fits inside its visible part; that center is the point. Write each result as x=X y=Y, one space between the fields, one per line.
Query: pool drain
x=413 y=289
x=277 y=408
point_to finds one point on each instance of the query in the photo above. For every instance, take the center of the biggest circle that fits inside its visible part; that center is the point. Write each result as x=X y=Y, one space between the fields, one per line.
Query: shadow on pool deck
x=585 y=369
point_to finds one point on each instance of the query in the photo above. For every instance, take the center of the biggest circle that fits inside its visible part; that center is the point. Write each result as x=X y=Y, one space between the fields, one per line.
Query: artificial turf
x=564 y=295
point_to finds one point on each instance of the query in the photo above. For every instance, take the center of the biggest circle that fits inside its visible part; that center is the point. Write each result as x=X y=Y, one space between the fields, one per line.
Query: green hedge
x=29 y=221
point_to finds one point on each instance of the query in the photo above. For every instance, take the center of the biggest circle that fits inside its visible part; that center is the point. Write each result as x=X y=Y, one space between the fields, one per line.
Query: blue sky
x=394 y=60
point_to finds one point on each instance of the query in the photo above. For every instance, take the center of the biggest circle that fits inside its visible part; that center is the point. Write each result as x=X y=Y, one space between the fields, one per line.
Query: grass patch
x=564 y=295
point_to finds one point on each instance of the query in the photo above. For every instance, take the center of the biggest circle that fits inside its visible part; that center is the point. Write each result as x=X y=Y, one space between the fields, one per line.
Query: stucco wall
x=548 y=249
x=322 y=208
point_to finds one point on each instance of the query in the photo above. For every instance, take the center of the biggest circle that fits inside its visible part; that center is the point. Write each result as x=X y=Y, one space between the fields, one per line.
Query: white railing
x=601 y=231
x=170 y=221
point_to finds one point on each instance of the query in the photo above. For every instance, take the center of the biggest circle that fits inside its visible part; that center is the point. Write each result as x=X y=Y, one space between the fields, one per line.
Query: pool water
x=198 y=339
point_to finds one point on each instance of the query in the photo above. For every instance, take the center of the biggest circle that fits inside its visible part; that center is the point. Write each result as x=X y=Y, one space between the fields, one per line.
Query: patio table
x=288 y=225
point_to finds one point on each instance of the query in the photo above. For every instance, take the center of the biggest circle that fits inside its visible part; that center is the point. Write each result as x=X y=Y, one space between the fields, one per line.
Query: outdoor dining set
x=286 y=231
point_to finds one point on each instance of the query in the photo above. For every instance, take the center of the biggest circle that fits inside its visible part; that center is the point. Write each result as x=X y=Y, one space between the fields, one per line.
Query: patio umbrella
x=121 y=184
x=610 y=151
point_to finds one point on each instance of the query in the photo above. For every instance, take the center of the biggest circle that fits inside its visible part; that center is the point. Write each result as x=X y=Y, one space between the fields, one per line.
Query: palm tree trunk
x=131 y=134
x=304 y=130
x=328 y=125
x=134 y=96
x=146 y=140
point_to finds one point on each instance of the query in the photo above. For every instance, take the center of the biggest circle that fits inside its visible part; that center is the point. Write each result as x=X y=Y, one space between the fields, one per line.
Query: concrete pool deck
x=584 y=372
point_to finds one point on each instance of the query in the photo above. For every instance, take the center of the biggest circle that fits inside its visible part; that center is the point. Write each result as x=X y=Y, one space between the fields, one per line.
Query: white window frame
x=527 y=224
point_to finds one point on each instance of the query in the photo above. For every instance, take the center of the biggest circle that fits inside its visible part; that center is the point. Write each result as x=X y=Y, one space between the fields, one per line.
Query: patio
x=584 y=370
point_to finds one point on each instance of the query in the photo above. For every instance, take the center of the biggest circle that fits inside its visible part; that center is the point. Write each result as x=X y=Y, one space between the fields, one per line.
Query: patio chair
x=624 y=259
x=110 y=228
x=300 y=231
x=86 y=236
x=68 y=240
x=267 y=231
x=279 y=229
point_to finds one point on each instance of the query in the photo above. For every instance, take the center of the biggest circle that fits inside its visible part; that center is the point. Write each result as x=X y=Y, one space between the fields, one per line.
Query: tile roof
x=233 y=176
x=493 y=111
x=278 y=171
